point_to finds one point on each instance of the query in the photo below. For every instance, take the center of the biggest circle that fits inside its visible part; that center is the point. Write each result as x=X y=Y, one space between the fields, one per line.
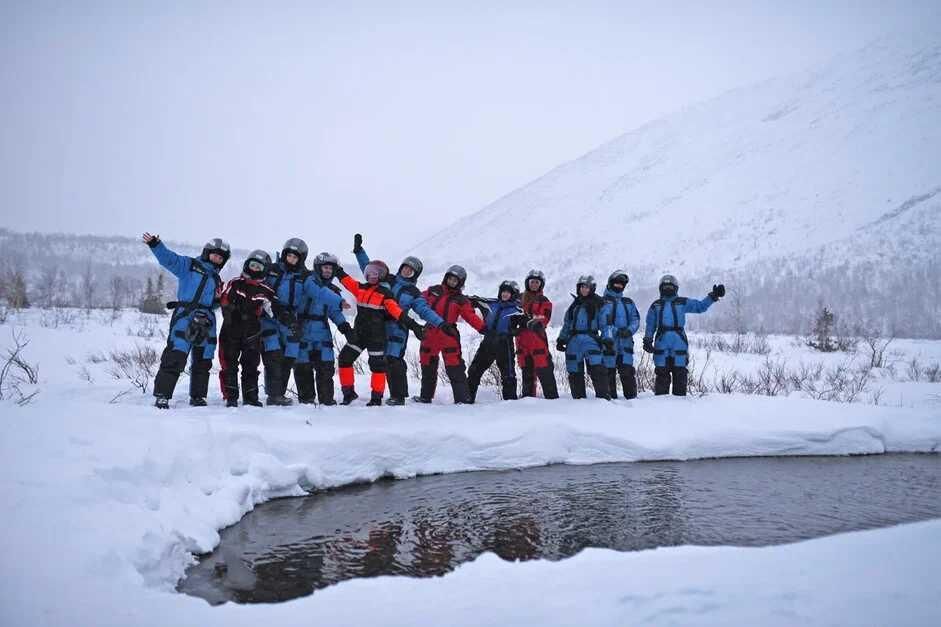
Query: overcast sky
x=259 y=121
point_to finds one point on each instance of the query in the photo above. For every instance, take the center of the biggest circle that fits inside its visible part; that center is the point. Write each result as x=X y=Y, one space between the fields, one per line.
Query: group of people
x=278 y=312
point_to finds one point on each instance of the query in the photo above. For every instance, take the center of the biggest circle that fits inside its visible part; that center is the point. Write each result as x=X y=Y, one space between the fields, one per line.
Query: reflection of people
x=382 y=546
x=433 y=552
x=518 y=540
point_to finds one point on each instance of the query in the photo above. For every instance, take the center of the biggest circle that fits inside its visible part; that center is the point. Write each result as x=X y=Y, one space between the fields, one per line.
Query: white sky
x=260 y=121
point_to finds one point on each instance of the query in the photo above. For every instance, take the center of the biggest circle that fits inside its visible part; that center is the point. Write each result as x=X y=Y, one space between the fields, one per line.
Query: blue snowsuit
x=666 y=322
x=197 y=294
x=288 y=287
x=320 y=302
x=619 y=327
x=581 y=333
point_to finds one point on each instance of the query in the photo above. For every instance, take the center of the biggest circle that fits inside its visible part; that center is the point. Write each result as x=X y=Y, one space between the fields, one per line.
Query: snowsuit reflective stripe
x=198 y=289
x=666 y=322
x=622 y=322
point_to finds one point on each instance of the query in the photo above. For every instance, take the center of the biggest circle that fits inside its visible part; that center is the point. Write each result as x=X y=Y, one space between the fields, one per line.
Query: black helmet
x=220 y=247
x=325 y=259
x=586 y=279
x=459 y=272
x=415 y=264
x=251 y=269
x=297 y=246
x=509 y=286
x=668 y=285
x=535 y=274
x=618 y=276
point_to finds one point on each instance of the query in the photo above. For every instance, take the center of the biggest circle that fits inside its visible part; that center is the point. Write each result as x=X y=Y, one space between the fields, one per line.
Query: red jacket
x=451 y=304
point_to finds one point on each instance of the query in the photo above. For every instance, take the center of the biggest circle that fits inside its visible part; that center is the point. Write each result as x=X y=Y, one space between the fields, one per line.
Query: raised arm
x=176 y=264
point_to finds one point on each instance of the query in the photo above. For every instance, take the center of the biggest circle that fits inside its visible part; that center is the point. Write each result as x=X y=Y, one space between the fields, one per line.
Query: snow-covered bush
x=137 y=365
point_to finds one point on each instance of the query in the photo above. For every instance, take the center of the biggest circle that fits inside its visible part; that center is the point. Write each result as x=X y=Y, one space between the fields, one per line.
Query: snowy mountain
x=824 y=186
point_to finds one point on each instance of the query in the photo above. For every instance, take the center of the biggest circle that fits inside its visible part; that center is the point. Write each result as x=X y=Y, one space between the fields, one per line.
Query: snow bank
x=108 y=502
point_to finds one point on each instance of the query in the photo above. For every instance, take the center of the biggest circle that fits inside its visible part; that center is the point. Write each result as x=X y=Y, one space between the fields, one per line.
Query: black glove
x=560 y=345
x=347 y=332
x=339 y=272
x=608 y=344
x=648 y=344
x=154 y=241
x=449 y=328
x=718 y=291
x=416 y=328
x=286 y=317
x=357 y=243
x=535 y=325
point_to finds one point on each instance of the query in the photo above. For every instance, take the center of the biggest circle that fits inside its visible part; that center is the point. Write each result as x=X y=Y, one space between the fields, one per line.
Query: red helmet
x=376 y=271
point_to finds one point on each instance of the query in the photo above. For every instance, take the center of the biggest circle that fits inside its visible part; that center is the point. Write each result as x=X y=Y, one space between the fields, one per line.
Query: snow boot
x=349 y=395
x=628 y=381
x=612 y=382
x=254 y=402
x=419 y=399
x=162 y=402
x=375 y=400
x=661 y=383
x=577 y=384
x=529 y=382
x=196 y=401
x=547 y=381
x=232 y=402
x=395 y=400
x=279 y=401
x=599 y=379
x=680 y=380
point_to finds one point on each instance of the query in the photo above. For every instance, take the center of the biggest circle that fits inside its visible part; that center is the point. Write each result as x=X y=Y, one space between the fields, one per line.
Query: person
x=406 y=293
x=665 y=333
x=618 y=336
x=245 y=301
x=375 y=305
x=532 y=345
x=322 y=303
x=286 y=277
x=580 y=339
x=449 y=302
x=193 y=323
x=504 y=319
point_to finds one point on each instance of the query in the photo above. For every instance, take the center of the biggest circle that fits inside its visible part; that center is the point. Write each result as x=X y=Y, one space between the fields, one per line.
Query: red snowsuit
x=450 y=304
x=532 y=346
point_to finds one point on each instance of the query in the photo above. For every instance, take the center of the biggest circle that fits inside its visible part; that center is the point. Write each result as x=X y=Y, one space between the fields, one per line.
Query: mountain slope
x=821 y=170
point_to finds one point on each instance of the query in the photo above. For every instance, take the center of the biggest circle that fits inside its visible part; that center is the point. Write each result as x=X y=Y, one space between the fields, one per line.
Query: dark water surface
x=428 y=526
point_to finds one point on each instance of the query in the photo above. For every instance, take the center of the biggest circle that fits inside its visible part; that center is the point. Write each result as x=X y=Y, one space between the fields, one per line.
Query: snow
x=108 y=502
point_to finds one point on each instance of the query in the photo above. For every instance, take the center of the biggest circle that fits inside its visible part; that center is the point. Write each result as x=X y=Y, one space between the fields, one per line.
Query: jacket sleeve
x=176 y=264
x=566 y=331
x=633 y=319
x=470 y=316
x=334 y=302
x=362 y=259
x=419 y=305
x=546 y=310
x=698 y=306
x=605 y=320
x=393 y=308
x=351 y=285
x=651 y=323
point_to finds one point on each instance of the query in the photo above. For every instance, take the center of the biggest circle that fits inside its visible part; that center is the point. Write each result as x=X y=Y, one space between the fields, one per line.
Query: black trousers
x=546 y=378
x=172 y=363
x=494 y=348
x=628 y=376
x=663 y=376
x=397 y=377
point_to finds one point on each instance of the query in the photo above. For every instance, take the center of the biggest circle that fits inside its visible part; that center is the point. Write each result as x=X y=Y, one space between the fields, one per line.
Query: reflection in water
x=430 y=525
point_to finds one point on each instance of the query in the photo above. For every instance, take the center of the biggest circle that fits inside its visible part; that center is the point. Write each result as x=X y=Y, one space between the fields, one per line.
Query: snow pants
x=435 y=343
x=620 y=361
x=532 y=354
x=496 y=347
x=235 y=351
x=582 y=349
x=178 y=350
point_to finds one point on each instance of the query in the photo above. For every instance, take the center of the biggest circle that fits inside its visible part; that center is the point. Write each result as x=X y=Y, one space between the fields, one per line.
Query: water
x=428 y=526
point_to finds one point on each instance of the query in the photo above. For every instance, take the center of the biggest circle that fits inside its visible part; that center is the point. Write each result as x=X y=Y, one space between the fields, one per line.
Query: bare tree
x=117 y=290
x=47 y=290
x=88 y=287
x=17 y=372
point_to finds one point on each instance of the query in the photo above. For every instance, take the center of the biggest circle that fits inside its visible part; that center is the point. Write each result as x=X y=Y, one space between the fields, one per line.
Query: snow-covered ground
x=108 y=501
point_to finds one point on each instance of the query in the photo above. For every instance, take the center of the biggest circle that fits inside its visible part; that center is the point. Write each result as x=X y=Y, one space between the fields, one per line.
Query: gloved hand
x=648 y=344
x=718 y=291
x=339 y=272
x=416 y=328
x=286 y=317
x=560 y=345
x=347 y=332
x=357 y=243
x=449 y=328
x=535 y=325
x=608 y=344
x=151 y=240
